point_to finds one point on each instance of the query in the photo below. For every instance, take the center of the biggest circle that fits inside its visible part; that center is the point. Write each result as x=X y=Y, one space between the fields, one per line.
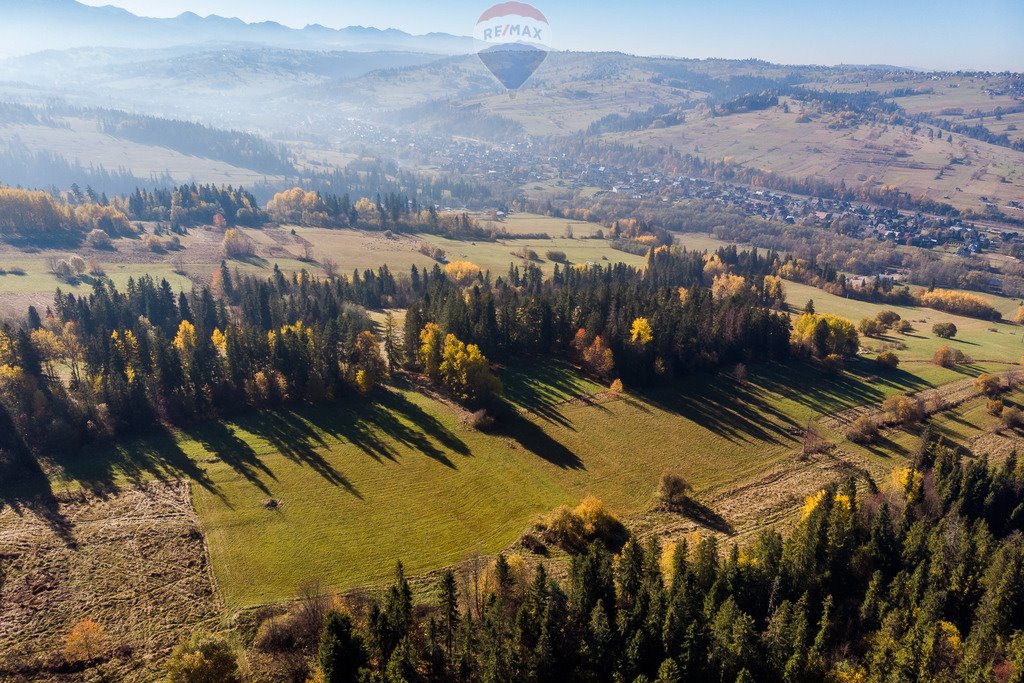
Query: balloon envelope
x=514 y=39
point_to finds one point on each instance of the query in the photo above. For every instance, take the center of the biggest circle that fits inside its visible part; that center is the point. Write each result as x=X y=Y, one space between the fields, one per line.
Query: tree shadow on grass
x=157 y=456
x=530 y=436
x=738 y=412
x=826 y=393
x=220 y=439
x=543 y=389
x=26 y=489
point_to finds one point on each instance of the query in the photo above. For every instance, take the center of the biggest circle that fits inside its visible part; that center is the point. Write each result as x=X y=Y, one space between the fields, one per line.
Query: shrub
x=596 y=521
x=888 y=360
x=870 y=327
x=944 y=330
x=202 y=658
x=237 y=244
x=85 y=642
x=1012 y=417
x=481 y=421
x=904 y=410
x=98 y=239
x=994 y=407
x=154 y=244
x=78 y=265
x=616 y=387
x=990 y=385
x=833 y=363
x=275 y=634
x=739 y=373
x=904 y=327
x=673 y=492
x=564 y=528
x=556 y=256
x=863 y=430
x=888 y=319
x=948 y=357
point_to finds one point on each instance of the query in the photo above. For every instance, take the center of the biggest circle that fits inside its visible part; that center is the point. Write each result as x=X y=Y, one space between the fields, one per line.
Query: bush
x=673 y=492
x=948 y=357
x=870 y=327
x=944 y=330
x=237 y=244
x=481 y=421
x=573 y=529
x=904 y=327
x=154 y=244
x=616 y=387
x=994 y=407
x=888 y=360
x=86 y=641
x=202 y=658
x=1013 y=418
x=990 y=385
x=833 y=363
x=98 y=239
x=596 y=521
x=564 y=528
x=556 y=256
x=888 y=319
x=903 y=410
x=863 y=430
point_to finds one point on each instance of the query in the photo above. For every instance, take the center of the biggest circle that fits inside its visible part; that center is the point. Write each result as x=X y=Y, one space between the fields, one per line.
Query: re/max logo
x=512 y=30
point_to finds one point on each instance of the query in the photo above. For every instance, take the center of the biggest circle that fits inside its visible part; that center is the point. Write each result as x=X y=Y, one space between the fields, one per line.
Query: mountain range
x=37 y=25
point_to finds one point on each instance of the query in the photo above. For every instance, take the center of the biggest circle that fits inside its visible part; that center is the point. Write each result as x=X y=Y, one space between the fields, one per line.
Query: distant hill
x=34 y=25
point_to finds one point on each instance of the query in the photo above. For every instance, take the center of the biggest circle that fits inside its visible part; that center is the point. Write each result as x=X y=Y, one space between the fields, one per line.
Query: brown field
x=134 y=562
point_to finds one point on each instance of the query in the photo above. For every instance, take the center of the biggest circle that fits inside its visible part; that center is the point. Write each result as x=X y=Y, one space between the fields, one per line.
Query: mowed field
x=340 y=491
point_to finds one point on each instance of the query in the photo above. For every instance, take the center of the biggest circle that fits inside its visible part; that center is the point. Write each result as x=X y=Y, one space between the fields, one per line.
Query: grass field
x=983 y=340
x=359 y=485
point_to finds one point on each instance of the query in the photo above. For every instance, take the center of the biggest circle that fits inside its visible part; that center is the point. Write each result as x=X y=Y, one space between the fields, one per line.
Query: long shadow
x=740 y=413
x=221 y=440
x=535 y=440
x=98 y=469
x=26 y=489
x=543 y=389
x=706 y=517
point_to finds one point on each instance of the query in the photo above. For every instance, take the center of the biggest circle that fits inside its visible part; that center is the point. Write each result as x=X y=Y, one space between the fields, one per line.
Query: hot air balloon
x=514 y=40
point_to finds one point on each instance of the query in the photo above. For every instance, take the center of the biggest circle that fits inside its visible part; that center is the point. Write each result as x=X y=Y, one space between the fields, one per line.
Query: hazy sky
x=982 y=34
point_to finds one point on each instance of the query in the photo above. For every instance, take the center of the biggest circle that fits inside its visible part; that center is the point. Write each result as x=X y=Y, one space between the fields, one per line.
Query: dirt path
x=135 y=563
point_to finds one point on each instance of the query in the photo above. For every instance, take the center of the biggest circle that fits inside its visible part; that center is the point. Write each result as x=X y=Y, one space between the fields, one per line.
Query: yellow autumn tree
x=431 y=339
x=220 y=341
x=641 y=333
x=824 y=335
x=462 y=271
x=466 y=372
x=727 y=286
x=85 y=641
